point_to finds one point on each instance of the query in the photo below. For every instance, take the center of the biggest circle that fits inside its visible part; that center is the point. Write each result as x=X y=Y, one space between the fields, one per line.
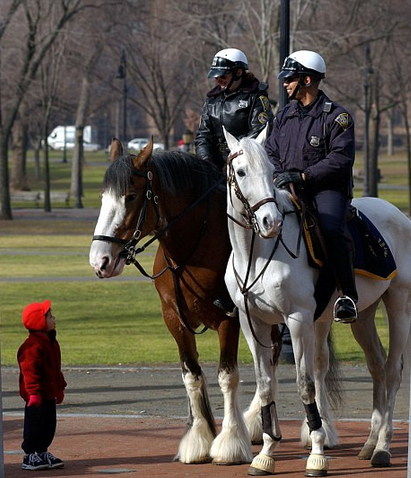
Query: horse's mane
x=177 y=172
x=258 y=158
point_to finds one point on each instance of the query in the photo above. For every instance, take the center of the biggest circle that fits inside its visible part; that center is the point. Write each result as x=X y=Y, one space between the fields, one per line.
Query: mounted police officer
x=239 y=102
x=312 y=145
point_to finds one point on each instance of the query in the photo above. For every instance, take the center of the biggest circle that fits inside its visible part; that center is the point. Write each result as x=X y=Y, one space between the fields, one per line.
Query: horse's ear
x=144 y=154
x=116 y=149
x=231 y=140
x=262 y=136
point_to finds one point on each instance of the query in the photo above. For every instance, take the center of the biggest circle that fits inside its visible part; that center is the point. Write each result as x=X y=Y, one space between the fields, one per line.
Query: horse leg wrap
x=313 y=417
x=267 y=420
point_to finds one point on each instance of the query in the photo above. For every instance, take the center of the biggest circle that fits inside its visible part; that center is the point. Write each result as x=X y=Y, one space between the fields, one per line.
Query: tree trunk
x=4 y=178
x=375 y=145
x=76 y=190
x=47 y=201
x=37 y=149
x=390 y=132
x=367 y=114
x=19 y=157
x=408 y=139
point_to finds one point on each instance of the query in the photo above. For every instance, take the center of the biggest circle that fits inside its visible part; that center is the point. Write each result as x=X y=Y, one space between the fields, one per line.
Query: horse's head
x=123 y=213
x=250 y=181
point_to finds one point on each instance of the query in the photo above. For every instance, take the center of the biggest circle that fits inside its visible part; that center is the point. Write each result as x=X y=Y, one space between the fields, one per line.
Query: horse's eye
x=130 y=197
x=241 y=173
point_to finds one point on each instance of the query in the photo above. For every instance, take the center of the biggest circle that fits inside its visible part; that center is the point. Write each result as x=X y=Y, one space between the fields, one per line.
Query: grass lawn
x=108 y=321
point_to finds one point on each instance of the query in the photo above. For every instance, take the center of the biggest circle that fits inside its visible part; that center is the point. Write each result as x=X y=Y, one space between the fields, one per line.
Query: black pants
x=39 y=427
x=332 y=210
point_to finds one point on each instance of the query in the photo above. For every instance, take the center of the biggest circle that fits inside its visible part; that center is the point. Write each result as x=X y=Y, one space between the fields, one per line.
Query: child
x=41 y=385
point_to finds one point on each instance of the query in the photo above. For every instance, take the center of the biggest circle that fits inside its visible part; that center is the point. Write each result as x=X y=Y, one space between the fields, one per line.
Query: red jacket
x=39 y=360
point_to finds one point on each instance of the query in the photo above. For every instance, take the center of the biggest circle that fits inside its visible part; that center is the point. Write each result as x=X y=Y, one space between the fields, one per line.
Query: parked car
x=137 y=144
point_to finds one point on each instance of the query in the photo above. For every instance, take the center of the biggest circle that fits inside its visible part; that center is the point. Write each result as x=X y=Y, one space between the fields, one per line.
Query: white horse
x=269 y=286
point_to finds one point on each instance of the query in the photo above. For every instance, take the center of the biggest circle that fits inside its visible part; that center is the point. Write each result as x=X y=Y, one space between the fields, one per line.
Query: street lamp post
x=284 y=47
x=287 y=354
x=122 y=75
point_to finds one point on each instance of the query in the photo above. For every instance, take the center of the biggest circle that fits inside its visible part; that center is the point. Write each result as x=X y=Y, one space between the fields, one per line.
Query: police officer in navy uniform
x=239 y=102
x=312 y=145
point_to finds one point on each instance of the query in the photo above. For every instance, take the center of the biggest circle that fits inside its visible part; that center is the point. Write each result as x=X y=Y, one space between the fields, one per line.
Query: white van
x=61 y=134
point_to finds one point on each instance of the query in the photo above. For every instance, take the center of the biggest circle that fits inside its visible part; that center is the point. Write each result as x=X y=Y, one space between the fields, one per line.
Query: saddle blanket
x=372 y=257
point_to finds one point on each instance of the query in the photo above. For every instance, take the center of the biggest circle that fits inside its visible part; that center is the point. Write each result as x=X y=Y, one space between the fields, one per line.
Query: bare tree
x=157 y=68
x=33 y=33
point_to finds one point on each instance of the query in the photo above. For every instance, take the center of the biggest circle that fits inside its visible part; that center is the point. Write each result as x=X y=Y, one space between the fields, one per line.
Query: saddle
x=372 y=256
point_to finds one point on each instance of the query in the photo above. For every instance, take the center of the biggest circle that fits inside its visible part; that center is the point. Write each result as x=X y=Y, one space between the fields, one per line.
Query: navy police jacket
x=318 y=140
x=243 y=112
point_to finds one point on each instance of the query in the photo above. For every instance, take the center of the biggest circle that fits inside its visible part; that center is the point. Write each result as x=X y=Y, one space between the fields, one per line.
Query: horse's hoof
x=228 y=463
x=198 y=461
x=317 y=465
x=366 y=452
x=256 y=472
x=381 y=459
x=262 y=465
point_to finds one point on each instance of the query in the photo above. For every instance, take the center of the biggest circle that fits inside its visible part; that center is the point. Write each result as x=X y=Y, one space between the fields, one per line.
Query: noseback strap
x=116 y=240
x=260 y=203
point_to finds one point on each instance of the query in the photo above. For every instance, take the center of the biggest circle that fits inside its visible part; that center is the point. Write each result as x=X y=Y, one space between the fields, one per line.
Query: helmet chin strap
x=234 y=78
x=298 y=87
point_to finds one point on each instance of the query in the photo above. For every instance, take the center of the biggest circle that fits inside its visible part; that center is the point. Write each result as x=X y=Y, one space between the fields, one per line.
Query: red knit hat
x=34 y=315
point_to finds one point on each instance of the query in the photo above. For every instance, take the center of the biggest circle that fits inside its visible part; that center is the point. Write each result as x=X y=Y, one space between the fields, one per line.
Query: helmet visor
x=286 y=74
x=216 y=72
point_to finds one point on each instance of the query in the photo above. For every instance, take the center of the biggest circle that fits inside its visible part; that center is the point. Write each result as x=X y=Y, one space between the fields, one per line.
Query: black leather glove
x=288 y=177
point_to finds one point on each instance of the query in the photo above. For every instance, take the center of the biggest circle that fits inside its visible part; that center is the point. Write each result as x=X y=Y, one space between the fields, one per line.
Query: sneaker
x=345 y=310
x=51 y=460
x=34 y=461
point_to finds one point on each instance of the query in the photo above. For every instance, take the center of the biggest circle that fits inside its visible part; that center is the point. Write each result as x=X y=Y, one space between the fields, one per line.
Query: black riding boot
x=340 y=254
x=225 y=303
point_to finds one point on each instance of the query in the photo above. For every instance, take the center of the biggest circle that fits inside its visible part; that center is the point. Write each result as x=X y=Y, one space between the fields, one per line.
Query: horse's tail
x=333 y=378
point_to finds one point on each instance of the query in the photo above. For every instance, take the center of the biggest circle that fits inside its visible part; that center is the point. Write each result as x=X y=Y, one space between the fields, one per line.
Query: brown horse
x=177 y=198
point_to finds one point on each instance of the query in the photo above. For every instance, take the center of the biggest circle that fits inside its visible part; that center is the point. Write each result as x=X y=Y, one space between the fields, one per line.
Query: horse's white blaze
x=233 y=443
x=104 y=255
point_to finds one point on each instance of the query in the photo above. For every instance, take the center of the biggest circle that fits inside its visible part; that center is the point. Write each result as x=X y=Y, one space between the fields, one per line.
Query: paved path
x=158 y=391
x=130 y=419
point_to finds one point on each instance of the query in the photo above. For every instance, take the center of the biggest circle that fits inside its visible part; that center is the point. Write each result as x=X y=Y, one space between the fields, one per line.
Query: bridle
x=129 y=250
x=249 y=216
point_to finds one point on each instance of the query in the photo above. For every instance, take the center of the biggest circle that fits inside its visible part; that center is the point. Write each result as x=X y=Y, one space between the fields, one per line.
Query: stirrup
x=228 y=307
x=345 y=310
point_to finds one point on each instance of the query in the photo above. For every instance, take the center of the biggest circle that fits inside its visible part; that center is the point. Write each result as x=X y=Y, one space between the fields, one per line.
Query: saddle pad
x=372 y=257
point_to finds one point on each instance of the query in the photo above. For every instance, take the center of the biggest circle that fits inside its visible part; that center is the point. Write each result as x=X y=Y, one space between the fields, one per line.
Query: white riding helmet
x=227 y=60
x=303 y=62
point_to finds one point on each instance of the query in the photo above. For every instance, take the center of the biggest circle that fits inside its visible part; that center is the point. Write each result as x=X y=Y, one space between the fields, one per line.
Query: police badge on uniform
x=314 y=141
x=242 y=103
x=262 y=117
x=344 y=120
x=265 y=103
